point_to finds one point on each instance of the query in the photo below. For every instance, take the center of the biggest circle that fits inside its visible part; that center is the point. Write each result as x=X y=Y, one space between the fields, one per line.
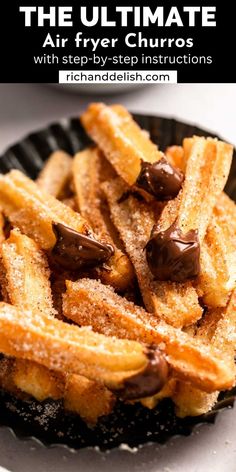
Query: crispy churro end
x=150 y=381
x=74 y=250
x=92 y=111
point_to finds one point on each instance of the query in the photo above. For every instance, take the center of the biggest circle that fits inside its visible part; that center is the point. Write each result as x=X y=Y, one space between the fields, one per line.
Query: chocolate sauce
x=130 y=193
x=172 y=255
x=160 y=179
x=148 y=382
x=74 y=250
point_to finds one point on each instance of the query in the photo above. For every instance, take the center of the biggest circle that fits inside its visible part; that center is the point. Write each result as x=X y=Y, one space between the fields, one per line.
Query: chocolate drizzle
x=172 y=255
x=148 y=382
x=160 y=179
x=74 y=250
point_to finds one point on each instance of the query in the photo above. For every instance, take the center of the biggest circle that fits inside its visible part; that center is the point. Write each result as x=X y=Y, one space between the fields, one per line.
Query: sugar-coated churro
x=120 y=138
x=53 y=225
x=173 y=253
x=26 y=274
x=82 y=396
x=120 y=218
x=27 y=286
x=119 y=364
x=88 y=171
x=133 y=155
x=208 y=168
x=55 y=173
x=88 y=302
x=218 y=329
x=174 y=302
x=217 y=278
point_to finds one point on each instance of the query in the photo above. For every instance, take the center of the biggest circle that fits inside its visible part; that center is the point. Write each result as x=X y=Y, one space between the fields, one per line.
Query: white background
x=24 y=108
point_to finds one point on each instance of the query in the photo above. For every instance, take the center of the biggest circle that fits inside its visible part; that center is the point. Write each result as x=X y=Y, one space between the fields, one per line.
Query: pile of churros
x=118 y=273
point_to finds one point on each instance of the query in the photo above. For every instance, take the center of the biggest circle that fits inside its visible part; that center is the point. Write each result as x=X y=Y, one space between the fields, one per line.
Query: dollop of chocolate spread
x=160 y=179
x=150 y=381
x=74 y=250
x=172 y=255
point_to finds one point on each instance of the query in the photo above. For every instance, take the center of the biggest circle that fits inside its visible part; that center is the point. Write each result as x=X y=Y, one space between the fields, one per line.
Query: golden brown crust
x=27 y=286
x=33 y=211
x=206 y=173
x=55 y=174
x=88 y=172
x=218 y=264
x=26 y=274
x=89 y=303
x=2 y=223
x=120 y=138
x=37 y=381
x=87 y=398
x=175 y=155
x=217 y=329
x=218 y=260
x=118 y=345
x=176 y=303
x=81 y=396
x=67 y=348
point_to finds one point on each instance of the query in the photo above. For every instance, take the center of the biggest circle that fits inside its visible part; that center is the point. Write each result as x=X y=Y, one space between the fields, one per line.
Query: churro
x=37 y=381
x=217 y=276
x=120 y=218
x=175 y=155
x=88 y=172
x=120 y=138
x=218 y=329
x=173 y=253
x=88 y=399
x=53 y=225
x=130 y=151
x=208 y=168
x=80 y=395
x=26 y=274
x=118 y=364
x=88 y=302
x=176 y=303
x=27 y=286
x=55 y=174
